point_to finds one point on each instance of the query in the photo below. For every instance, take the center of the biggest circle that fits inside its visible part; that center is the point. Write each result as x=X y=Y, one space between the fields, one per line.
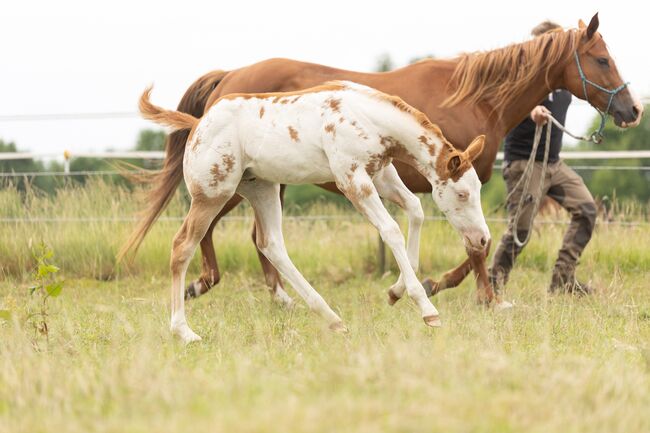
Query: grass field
x=552 y=364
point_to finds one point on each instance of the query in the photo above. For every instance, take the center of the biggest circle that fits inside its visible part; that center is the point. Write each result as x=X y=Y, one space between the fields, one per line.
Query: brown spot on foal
x=330 y=128
x=334 y=104
x=430 y=147
x=218 y=172
x=228 y=162
x=293 y=134
x=261 y=112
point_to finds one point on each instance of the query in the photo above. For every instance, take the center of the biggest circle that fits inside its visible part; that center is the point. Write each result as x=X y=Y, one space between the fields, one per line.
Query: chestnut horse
x=479 y=93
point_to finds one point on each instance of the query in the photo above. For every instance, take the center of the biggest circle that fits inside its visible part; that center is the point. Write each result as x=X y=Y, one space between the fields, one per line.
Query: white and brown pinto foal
x=249 y=144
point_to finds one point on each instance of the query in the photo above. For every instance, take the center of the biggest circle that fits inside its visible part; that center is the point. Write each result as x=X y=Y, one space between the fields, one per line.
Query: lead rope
x=526 y=177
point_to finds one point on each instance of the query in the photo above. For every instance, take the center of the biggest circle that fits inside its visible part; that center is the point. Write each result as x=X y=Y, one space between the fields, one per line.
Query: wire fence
x=106 y=115
x=155 y=155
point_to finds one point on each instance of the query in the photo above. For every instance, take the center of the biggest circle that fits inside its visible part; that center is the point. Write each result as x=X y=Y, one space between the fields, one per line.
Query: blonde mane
x=499 y=77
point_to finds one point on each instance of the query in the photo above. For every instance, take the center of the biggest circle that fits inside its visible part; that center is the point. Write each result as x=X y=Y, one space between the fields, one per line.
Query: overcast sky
x=70 y=56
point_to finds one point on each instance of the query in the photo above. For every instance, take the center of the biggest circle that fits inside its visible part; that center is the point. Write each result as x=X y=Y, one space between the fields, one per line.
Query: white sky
x=87 y=56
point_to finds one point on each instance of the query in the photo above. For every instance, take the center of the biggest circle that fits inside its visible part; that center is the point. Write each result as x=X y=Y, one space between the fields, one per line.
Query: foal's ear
x=454 y=163
x=475 y=148
x=593 y=26
x=581 y=24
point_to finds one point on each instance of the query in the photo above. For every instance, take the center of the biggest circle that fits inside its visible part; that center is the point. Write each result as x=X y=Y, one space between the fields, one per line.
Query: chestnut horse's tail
x=163 y=183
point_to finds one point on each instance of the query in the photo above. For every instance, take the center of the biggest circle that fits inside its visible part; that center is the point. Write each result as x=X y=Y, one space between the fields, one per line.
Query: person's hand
x=539 y=115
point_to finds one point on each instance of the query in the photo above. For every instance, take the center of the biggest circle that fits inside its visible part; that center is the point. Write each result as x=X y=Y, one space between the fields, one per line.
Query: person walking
x=560 y=183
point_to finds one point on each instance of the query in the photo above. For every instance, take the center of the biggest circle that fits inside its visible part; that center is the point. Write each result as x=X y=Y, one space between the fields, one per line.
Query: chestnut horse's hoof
x=392 y=297
x=431 y=287
x=433 y=321
x=193 y=290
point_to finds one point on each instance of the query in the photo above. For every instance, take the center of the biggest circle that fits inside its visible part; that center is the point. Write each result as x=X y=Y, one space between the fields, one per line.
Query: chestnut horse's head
x=593 y=76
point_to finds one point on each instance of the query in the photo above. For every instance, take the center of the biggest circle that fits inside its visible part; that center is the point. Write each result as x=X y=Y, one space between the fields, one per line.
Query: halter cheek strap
x=597 y=136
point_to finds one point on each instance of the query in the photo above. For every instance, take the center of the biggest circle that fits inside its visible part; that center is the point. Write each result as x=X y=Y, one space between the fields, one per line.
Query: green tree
x=384 y=63
x=149 y=139
x=45 y=183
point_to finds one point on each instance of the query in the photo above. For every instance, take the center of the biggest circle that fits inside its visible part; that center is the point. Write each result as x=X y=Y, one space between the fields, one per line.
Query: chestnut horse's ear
x=593 y=26
x=454 y=163
x=475 y=148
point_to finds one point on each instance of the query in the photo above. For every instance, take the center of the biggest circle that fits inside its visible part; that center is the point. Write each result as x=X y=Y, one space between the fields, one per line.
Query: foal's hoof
x=392 y=297
x=339 y=328
x=186 y=335
x=433 y=321
x=503 y=305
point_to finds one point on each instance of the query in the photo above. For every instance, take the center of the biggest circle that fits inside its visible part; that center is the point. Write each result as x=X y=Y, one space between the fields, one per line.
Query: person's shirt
x=519 y=141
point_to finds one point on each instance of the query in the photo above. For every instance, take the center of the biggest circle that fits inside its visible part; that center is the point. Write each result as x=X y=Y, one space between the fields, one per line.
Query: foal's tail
x=163 y=183
x=175 y=119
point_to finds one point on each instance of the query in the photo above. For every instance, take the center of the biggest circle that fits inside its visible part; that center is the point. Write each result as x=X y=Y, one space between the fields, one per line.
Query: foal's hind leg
x=271 y=275
x=202 y=211
x=390 y=186
x=265 y=200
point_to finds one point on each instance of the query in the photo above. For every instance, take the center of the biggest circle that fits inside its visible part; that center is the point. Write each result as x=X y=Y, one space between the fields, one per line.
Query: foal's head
x=457 y=192
x=592 y=75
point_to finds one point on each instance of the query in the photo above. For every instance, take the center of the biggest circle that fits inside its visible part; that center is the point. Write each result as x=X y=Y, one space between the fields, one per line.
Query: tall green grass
x=87 y=224
x=552 y=364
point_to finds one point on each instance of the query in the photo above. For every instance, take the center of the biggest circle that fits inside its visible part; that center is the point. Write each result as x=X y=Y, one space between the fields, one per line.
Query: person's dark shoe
x=561 y=283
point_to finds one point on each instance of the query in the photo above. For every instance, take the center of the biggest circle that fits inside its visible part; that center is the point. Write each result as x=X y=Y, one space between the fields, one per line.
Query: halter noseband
x=597 y=136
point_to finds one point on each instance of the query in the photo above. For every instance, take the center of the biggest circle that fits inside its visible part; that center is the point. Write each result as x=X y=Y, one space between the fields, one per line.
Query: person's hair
x=543 y=27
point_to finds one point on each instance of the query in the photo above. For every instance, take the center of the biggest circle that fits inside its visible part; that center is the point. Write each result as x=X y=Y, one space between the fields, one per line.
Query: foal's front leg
x=359 y=189
x=390 y=186
x=265 y=199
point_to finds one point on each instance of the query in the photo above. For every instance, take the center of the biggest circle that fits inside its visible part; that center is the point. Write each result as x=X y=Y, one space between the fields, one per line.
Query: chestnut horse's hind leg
x=271 y=275
x=265 y=199
x=209 y=267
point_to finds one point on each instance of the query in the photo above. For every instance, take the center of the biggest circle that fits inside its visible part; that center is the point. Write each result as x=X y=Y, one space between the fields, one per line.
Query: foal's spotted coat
x=344 y=132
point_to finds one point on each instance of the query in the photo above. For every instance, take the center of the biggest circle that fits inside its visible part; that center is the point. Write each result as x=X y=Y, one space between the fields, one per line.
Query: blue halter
x=597 y=136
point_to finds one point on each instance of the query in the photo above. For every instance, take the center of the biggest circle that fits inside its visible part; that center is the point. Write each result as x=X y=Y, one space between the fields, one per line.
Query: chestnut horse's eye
x=602 y=61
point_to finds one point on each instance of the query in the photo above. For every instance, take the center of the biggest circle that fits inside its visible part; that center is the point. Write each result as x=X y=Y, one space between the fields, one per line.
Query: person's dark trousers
x=563 y=185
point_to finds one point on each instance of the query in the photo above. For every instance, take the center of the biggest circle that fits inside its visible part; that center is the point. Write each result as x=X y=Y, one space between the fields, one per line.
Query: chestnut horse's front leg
x=449 y=280
x=477 y=261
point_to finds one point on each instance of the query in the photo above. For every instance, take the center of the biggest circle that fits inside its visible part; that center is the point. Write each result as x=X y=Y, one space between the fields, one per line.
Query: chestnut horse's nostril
x=635 y=112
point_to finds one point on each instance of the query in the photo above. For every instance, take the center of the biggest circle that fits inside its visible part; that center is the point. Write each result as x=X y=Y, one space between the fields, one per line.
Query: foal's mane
x=499 y=77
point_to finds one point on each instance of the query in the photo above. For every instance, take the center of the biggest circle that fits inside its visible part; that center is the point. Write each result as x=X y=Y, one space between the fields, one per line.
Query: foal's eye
x=462 y=195
x=602 y=61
